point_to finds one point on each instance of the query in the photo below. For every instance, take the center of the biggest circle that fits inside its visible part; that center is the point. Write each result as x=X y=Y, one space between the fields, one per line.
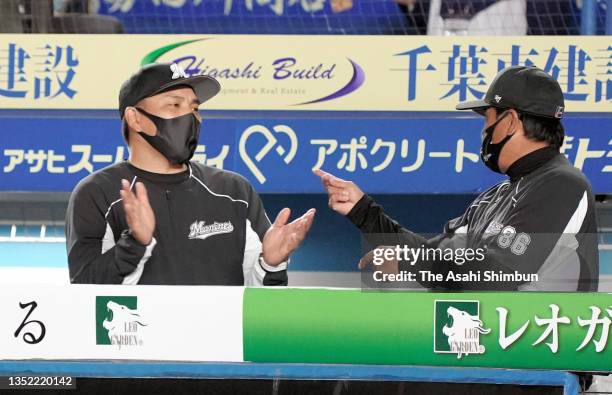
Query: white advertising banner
x=121 y=323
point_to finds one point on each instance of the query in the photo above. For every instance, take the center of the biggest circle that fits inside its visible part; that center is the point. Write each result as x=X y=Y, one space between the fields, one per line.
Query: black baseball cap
x=155 y=78
x=524 y=88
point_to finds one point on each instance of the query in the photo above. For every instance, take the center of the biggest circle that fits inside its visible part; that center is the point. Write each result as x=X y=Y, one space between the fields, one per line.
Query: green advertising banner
x=566 y=331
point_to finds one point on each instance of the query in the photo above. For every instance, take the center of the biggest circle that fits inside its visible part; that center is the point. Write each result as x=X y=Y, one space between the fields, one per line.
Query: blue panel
x=273 y=17
x=606 y=238
x=55 y=231
x=49 y=255
x=429 y=153
x=28 y=230
x=5 y=230
x=605 y=262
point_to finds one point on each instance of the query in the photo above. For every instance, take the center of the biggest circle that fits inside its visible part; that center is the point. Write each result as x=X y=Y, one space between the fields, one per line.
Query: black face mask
x=489 y=152
x=176 y=138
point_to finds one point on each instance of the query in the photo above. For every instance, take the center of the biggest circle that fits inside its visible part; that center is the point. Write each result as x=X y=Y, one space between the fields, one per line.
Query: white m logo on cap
x=177 y=71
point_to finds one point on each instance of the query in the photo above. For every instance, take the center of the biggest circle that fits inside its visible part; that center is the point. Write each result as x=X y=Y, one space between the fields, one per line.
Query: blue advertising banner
x=260 y=16
x=312 y=16
x=420 y=154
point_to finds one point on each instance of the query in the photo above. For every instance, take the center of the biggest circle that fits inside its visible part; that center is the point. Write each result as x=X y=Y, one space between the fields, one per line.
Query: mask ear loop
x=142 y=111
x=493 y=126
x=138 y=110
x=498 y=120
x=505 y=112
x=149 y=116
x=197 y=116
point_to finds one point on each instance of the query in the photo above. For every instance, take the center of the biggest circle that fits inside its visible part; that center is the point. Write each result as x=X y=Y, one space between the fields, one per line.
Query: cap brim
x=205 y=87
x=478 y=106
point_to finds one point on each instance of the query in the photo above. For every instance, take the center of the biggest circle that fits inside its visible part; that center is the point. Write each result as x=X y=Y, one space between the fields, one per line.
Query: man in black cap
x=159 y=218
x=534 y=231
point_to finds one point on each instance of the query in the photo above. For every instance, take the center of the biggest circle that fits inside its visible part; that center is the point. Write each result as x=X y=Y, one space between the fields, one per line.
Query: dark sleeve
x=540 y=235
x=262 y=273
x=86 y=227
x=528 y=238
x=380 y=229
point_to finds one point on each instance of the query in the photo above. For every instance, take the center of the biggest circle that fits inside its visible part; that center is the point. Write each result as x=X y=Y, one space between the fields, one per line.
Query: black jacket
x=210 y=225
x=540 y=221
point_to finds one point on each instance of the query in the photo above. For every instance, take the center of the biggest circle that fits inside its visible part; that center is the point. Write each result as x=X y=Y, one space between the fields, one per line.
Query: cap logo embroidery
x=559 y=112
x=177 y=71
x=497 y=98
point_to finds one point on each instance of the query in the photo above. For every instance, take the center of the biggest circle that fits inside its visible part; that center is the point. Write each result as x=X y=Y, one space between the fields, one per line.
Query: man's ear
x=132 y=118
x=515 y=122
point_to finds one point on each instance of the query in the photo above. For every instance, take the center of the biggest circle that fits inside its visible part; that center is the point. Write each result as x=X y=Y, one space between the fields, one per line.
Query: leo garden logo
x=118 y=321
x=457 y=327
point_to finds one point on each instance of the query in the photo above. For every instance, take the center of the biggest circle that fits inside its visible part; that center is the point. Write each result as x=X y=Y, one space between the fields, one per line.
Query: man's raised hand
x=343 y=195
x=283 y=238
x=138 y=212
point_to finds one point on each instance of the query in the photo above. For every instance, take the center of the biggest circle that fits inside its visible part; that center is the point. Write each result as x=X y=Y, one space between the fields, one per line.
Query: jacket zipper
x=169 y=204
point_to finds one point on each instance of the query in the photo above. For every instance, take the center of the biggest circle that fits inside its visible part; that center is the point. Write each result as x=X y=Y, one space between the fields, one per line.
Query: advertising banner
x=501 y=330
x=233 y=324
x=260 y=17
x=118 y=322
x=275 y=72
x=416 y=155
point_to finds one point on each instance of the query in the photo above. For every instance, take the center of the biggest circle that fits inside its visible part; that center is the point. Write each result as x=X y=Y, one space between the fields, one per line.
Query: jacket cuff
x=128 y=253
x=271 y=269
x=358 y=213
